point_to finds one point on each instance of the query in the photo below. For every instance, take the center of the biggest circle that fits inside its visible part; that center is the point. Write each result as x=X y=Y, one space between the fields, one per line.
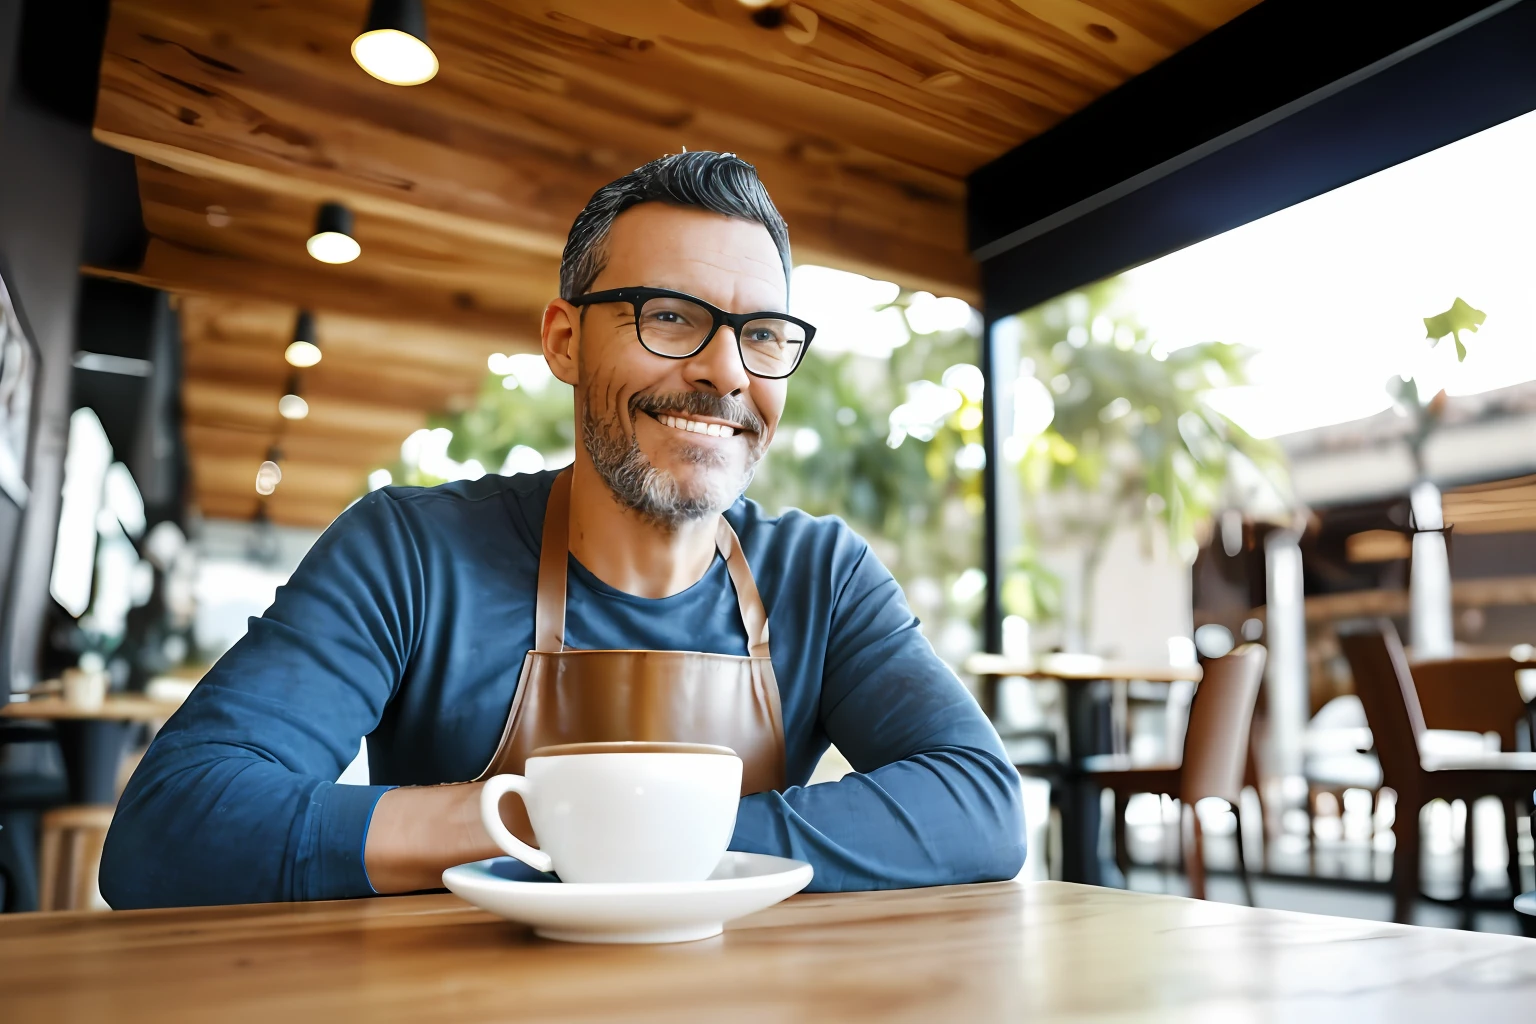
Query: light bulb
x=292 y=407
x=268 y=475
x=396 y=57
x=302 y=354
x=333 y=247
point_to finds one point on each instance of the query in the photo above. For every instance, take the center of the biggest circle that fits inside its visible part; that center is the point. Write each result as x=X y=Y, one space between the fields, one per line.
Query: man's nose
x=718 y=367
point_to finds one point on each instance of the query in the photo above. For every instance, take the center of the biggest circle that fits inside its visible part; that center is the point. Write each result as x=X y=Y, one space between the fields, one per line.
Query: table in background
x=1089 y=683
x=93 y=740
x=1041 y=951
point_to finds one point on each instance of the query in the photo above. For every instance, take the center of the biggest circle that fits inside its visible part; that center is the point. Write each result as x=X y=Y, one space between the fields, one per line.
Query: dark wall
x=47 y=152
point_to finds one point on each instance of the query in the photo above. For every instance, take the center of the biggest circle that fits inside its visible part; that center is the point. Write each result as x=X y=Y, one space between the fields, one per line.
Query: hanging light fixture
x=269 y=474
x=393 y=44
x=291 y=406
x=332 y=241
x=304 y=350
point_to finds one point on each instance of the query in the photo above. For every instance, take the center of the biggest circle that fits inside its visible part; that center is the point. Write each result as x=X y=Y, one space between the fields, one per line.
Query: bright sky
x=1333 y=292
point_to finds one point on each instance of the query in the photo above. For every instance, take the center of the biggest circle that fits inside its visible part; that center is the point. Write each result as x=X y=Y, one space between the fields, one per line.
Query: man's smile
x=696 y=425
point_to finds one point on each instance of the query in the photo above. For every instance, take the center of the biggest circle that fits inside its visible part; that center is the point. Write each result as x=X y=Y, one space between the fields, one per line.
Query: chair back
x=1471 y=694
x=1385 y=686
x=1220 y=717
x=70 y=855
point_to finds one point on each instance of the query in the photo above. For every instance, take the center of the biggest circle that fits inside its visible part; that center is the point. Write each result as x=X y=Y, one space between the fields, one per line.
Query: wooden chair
x=1214 y=761
x=70 y=852
x=1472 y=694
x=1386 y=688
x=1476 y=695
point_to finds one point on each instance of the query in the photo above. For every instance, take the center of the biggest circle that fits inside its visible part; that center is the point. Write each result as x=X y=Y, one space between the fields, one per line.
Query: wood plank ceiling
x=863 y=116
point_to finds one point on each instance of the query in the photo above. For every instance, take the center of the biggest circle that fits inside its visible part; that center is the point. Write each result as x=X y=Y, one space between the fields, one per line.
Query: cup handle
x=494 y=789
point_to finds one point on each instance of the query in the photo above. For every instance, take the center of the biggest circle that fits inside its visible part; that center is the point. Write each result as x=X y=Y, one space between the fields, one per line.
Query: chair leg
x=1242 y=858
x=1405 y=859
x=48 y=869
x=1122 y=853
x=1512 y=841
x=1468 y=835
x=1194 y=851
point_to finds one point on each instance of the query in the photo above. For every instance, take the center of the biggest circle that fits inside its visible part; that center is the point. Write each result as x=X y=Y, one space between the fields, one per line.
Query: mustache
x=698 y=403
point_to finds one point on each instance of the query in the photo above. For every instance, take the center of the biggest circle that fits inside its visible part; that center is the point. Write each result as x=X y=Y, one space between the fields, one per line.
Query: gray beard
x=652 y=493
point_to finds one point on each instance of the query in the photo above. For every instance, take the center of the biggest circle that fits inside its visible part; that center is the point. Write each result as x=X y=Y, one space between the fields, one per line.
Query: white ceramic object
x=742 y=883
x=622 y=812
x=1526 y=903
x=85 y=689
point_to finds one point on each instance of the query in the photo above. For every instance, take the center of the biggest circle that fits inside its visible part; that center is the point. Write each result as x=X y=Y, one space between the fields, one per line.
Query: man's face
x=635 y=408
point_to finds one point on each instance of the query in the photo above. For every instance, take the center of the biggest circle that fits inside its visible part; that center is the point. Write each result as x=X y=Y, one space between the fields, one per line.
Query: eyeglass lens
x=676 y=327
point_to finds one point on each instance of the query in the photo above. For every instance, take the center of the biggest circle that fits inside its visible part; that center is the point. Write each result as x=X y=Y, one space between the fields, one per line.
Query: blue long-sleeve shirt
x=407 y=623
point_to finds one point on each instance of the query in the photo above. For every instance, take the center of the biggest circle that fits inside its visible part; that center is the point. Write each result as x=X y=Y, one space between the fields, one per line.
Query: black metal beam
x=1290 y=100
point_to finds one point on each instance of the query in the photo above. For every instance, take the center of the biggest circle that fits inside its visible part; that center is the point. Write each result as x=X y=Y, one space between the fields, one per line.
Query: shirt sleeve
x=236 y=801
x=934 y=800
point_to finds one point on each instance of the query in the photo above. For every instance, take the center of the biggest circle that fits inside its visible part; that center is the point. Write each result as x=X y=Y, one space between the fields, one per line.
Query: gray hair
x=722 y=183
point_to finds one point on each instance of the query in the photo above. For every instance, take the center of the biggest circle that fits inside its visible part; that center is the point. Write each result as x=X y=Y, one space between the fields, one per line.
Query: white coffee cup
x=85 y=689
x=622 y=812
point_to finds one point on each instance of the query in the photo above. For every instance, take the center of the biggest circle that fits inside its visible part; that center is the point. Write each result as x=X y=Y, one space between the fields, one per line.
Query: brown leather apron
x=566 y=696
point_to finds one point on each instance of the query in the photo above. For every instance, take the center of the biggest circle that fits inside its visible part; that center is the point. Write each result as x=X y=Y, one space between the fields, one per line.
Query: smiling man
x=440 y=622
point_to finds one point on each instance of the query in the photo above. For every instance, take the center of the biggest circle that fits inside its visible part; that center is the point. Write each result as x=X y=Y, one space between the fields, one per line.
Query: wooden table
x=1092 y=686
x=118 y=707
x=92 y=740
x=1042 y=951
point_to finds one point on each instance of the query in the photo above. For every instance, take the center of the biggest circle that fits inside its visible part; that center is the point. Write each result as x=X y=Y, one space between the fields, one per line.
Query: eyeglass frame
x=638 y=296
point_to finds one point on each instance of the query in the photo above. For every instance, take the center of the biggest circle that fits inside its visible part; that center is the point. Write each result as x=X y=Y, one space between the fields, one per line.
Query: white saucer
x=631 y=911
x=1526 y=904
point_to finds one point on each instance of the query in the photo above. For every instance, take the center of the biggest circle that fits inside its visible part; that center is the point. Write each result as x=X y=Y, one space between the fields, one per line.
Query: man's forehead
x=682 y=247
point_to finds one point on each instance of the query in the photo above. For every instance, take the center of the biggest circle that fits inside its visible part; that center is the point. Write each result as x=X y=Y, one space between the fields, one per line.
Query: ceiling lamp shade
x=269 y=474
x=291 y=406
x=304 y=350
x=393 y=44
x=332 y=241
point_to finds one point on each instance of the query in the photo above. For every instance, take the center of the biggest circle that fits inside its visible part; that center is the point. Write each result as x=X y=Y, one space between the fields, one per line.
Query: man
x=413 y=619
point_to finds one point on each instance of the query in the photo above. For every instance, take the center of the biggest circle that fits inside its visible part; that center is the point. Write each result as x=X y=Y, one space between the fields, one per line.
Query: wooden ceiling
x=863 y=117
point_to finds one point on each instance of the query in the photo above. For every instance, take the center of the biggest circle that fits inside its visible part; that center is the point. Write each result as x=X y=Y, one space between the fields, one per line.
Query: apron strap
x=554 y=553
x=549 y=612
x=753 y=615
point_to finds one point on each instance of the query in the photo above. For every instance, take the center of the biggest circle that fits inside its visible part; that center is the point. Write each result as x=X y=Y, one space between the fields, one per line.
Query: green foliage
x=920 y=510
x=1460 y=317
x=1132 y=441
x=539 y=417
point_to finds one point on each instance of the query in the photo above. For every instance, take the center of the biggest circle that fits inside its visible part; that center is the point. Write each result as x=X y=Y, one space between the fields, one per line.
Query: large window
x=1133 y=408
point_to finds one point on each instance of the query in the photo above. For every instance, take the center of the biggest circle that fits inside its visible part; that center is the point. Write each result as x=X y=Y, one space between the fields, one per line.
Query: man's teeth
x=695 y=427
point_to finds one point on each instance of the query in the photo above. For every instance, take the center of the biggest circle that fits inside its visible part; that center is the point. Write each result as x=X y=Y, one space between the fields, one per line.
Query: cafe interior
x=1175 y=356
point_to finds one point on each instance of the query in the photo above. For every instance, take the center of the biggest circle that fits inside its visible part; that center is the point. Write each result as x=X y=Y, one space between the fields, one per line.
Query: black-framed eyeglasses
x=676 y=325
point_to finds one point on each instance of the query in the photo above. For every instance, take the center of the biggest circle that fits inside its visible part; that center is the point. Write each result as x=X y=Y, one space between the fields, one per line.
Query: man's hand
x=419 y=831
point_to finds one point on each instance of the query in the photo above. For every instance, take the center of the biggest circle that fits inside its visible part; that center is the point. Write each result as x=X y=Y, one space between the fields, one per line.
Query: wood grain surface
x=118 y=707
x=1044 y=951
x=863 y=117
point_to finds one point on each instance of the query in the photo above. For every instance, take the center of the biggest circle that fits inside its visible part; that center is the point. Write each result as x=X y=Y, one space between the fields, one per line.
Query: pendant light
x=393 y=44
x=292 y=406
x=269 y=474
x=304 y=350
x=332 y=241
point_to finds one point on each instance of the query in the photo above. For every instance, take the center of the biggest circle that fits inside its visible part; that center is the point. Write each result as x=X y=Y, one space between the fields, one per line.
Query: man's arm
x=935 y=800
x=236 y=802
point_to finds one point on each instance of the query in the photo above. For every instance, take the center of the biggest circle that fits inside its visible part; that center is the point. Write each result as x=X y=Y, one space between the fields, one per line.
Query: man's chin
x=715 y=486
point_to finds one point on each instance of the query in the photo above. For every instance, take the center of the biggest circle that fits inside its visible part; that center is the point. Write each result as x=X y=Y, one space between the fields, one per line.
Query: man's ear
x=561 y=339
